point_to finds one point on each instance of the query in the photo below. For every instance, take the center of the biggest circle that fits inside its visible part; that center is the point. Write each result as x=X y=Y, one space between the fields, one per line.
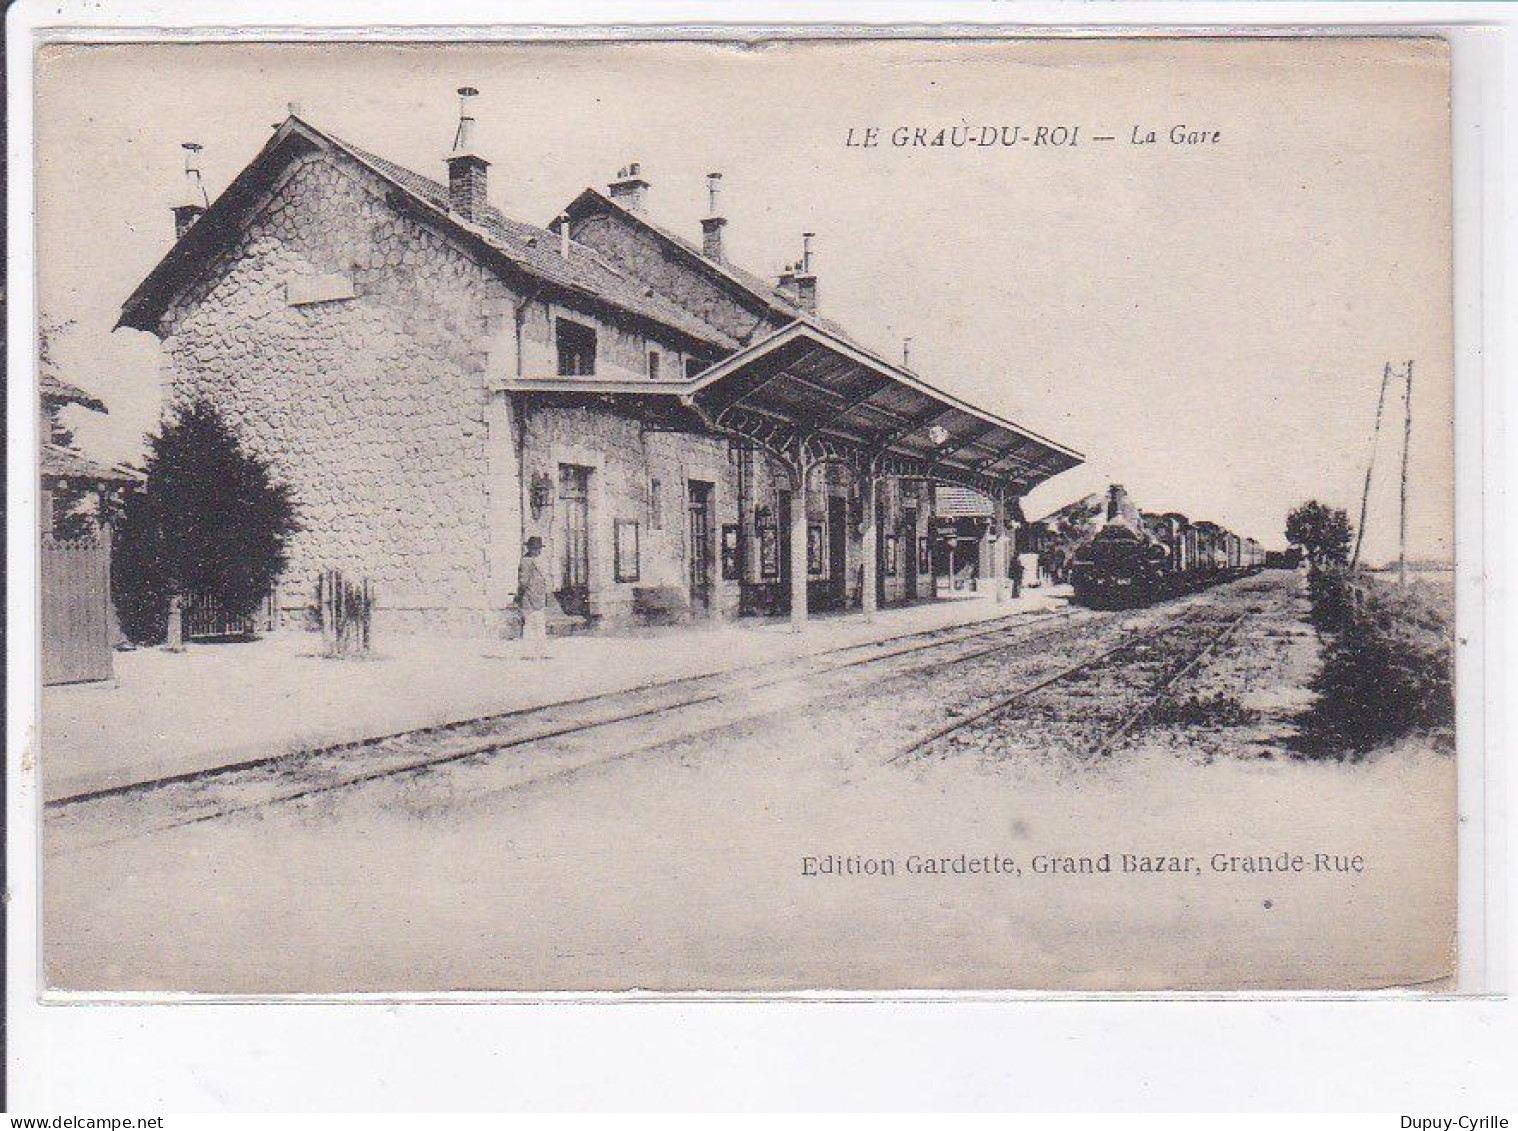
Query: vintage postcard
x=746 y=516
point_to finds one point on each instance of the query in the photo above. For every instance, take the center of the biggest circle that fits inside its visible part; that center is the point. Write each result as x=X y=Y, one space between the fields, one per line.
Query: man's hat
x=534 y=543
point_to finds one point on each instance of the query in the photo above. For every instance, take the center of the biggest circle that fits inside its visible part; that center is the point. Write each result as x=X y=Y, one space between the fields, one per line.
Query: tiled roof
x=61 y=392
x=766 y=292
x=537 y=251
x=531 y=250
x=66 y=463
x=960 y=502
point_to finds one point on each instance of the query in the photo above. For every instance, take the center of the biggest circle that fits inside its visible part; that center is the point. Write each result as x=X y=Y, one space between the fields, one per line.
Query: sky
x=1207 y=323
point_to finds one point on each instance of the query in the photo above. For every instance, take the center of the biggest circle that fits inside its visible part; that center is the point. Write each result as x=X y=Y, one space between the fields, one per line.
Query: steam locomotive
x=1134 y=558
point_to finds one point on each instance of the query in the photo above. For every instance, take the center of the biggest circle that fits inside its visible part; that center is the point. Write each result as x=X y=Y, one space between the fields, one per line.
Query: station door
x=906 y=549
x=574 y=540
x=838 y=551
x=700 y=547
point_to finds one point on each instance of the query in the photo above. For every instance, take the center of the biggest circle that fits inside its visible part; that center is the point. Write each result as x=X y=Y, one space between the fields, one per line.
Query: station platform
x=216 y=705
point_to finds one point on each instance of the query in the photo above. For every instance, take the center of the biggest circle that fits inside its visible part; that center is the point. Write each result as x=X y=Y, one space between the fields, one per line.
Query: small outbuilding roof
x=65 y=463
x=961 y=502
x=61 y=392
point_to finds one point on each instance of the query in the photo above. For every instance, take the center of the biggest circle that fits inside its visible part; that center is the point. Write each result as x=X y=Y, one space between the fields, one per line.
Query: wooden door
x=76 y=595
x=838 y=554
x=700 y=509
x=574 y=540
x=906 y=546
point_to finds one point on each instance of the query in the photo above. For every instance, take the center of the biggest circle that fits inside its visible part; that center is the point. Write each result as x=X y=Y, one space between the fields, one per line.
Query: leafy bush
x=1331 y=591
x=1388 y=664
x=1323 y=532
x=210 y=519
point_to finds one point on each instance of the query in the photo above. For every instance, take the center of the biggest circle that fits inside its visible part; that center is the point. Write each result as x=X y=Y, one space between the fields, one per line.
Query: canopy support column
x=1001 y=563
x=932 y=540
x=869 y=598
x=800 y=471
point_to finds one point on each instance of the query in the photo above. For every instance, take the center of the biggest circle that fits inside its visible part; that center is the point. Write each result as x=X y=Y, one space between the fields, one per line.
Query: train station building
x=439 y=383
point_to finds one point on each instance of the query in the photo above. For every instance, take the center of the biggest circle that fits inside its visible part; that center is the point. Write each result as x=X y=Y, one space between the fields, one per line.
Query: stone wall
x=355 y=347
x=649 y=258
x=373 y=406
x=621 y=353
x=360 y=350
x=624 y=462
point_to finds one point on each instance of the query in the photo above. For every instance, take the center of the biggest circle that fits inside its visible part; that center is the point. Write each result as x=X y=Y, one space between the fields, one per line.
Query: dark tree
x=1323 y=533
x=211 y=518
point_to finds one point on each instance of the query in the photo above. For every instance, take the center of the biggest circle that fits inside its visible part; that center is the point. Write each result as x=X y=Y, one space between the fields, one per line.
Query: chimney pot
x=467 y=170
x=194 y=201
x=799 y=281
x=630 y=189
x=711 y=227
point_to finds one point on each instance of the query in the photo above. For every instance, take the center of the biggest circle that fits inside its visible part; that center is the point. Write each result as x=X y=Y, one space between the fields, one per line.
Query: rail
x=1004 y=704
x=691 y=692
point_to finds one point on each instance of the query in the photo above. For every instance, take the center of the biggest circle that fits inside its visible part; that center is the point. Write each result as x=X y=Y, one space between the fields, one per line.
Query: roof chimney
x=193 y=200
x=630 y=190
x=466 y=168
x=805 y=278
x=711 y=227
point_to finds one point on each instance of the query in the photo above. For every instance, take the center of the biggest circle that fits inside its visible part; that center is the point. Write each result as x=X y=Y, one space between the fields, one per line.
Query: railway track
x=299 y=777
x=997 y=713
x=1158 y=695
x=885 y=649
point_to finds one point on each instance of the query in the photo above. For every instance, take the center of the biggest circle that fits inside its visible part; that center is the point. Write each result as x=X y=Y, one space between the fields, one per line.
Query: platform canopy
x=808 y=391
x=808 y=394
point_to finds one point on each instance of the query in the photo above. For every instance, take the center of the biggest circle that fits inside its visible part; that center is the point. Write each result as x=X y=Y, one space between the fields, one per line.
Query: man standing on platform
x=532 y=599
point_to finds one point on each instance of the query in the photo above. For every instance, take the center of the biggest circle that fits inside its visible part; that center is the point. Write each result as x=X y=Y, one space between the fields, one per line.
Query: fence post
x=174 y=638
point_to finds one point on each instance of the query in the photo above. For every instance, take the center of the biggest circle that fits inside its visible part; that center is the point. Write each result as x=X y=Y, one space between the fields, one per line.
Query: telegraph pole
x=1370 y=464
x=1407 y=436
